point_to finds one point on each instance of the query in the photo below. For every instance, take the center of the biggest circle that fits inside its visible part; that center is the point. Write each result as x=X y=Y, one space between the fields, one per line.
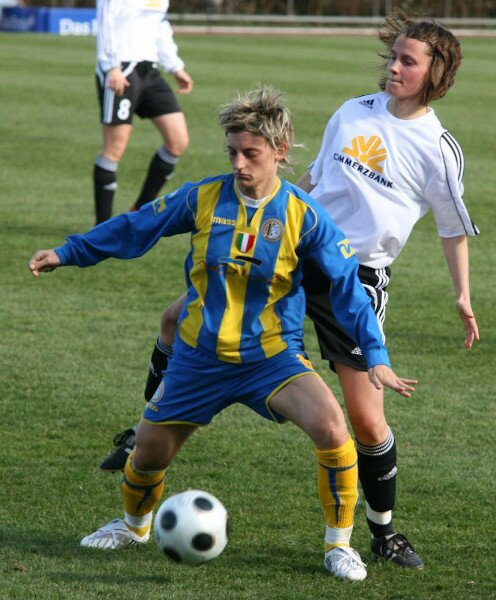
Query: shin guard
x=337 y=479
x=141 y=490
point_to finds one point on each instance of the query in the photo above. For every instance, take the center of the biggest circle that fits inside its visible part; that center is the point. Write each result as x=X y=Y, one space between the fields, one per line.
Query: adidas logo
x=367 y=103
x=110 y=187
x=389 y=475
x=357 y=351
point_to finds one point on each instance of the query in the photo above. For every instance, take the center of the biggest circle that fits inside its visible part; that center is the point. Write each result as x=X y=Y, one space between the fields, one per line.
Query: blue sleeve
x=328 y=247
x=130 y=235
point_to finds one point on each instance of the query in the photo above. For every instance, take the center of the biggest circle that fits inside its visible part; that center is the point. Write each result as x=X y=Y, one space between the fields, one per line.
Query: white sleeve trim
x=454 y=166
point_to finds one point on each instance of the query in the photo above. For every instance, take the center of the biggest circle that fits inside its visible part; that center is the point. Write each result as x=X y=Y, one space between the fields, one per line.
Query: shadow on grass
x=48 y=545
x=110 y=579
x=25 y=545
x=23 y=550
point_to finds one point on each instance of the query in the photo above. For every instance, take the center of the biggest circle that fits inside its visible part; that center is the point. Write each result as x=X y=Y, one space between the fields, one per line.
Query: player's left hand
x=468 y=319
x=382 y=375
x=43 y=261
x=185 y=82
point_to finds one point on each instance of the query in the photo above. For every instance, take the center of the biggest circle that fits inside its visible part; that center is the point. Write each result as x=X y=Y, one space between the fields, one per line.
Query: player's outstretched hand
x=43 y=261
x=382 y=375
x=468 y=319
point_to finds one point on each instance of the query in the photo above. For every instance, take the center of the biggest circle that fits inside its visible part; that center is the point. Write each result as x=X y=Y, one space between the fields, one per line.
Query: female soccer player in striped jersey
x=240 y=331
x=385 y=160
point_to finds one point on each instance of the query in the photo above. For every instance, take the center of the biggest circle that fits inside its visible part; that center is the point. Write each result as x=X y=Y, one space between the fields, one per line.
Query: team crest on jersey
x=305 y=361
x=161 y=5
x=369 y=152
x=159 y=205
x=272 y=230
x=345 y=248
x=159 y=392
x=244 y=241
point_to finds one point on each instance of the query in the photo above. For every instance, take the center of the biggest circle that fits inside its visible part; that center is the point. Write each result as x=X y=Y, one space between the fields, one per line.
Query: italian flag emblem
x=245 y=241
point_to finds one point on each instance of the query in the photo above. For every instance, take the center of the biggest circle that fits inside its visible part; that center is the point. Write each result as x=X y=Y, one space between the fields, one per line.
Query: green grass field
x=75 y=346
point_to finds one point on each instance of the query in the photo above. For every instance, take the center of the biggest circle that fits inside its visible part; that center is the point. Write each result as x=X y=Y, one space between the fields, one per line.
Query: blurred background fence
x=447 y=9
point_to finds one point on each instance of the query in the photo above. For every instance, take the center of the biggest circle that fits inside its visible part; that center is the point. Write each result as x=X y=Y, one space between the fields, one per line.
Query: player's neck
x=406 y=108
x=257 y=195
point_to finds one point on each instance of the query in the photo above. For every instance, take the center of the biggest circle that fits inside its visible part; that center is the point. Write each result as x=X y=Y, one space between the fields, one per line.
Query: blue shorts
x=197 y=386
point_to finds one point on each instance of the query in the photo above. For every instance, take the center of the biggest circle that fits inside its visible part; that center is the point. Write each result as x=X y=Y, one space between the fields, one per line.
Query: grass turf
x=76 y=344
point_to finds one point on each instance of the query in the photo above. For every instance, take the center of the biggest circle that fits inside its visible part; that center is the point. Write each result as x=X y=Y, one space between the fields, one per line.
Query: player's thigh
x=157 y=444
x=364 y=404
x=115 y=140
x=308 y=403
x=174 y=131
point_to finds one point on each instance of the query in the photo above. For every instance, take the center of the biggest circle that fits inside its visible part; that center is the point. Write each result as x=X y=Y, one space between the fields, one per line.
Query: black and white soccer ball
x=191 y=527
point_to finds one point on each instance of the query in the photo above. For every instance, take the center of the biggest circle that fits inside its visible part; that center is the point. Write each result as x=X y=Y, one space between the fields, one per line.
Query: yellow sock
x=141 y=490
x=337 y=479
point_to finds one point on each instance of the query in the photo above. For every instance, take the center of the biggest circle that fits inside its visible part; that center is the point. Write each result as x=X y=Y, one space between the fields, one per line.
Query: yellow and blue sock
x=141 y=490
x=337 y=479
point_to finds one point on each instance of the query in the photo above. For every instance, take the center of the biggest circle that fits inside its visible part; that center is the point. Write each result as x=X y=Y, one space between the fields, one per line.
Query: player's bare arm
x=456 y=253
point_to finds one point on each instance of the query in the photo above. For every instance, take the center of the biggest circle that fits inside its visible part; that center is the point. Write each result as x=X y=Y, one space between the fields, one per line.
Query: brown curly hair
x=443 y=47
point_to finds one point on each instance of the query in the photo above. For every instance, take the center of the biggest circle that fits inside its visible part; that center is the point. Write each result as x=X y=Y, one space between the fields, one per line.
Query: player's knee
x=370 y=430
x=178 y=145
x=150 y=457
x=327 y=433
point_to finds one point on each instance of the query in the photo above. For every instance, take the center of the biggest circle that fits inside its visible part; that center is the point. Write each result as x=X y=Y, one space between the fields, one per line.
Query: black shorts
x=335 y=345
x=149 y=95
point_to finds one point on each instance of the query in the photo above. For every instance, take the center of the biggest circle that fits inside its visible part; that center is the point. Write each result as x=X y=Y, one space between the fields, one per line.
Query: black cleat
x=396 y=549
x=116 y=460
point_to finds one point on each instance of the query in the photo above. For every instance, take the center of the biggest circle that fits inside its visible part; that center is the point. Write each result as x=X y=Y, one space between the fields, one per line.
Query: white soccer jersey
x=377 y=175
x=135 y=31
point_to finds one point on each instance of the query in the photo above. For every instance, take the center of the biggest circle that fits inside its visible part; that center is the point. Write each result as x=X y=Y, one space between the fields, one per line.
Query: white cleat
x=113 y=536
x=345 y=563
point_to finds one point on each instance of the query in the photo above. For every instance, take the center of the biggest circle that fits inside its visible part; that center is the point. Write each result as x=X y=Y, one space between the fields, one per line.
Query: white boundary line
x=292 y=31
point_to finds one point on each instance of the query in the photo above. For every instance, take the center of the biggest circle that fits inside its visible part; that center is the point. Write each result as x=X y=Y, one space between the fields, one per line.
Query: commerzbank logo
x=367 y=151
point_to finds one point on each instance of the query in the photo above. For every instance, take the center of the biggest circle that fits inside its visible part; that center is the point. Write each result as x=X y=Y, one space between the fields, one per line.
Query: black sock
x=158 y=364
x=105 y=184
x=377 y=472
x=161 y=167
x=379 y=530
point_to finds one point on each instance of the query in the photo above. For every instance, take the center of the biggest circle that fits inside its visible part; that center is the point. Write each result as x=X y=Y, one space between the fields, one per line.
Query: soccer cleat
x=116 y=460
x=113 y=536
x=398 y=550
x=345 y=563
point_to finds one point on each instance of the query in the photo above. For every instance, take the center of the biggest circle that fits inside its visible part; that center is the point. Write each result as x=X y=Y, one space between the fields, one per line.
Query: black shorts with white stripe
x=148 y=96
x=335 y=345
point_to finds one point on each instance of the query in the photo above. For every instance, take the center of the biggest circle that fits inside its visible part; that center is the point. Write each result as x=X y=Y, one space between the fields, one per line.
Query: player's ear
x=282 y=152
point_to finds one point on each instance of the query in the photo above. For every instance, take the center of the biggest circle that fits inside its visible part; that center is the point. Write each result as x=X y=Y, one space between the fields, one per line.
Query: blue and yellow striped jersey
x=243 y=272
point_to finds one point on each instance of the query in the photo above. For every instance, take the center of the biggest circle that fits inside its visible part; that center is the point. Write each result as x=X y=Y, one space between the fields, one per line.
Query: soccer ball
x=191 y=527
